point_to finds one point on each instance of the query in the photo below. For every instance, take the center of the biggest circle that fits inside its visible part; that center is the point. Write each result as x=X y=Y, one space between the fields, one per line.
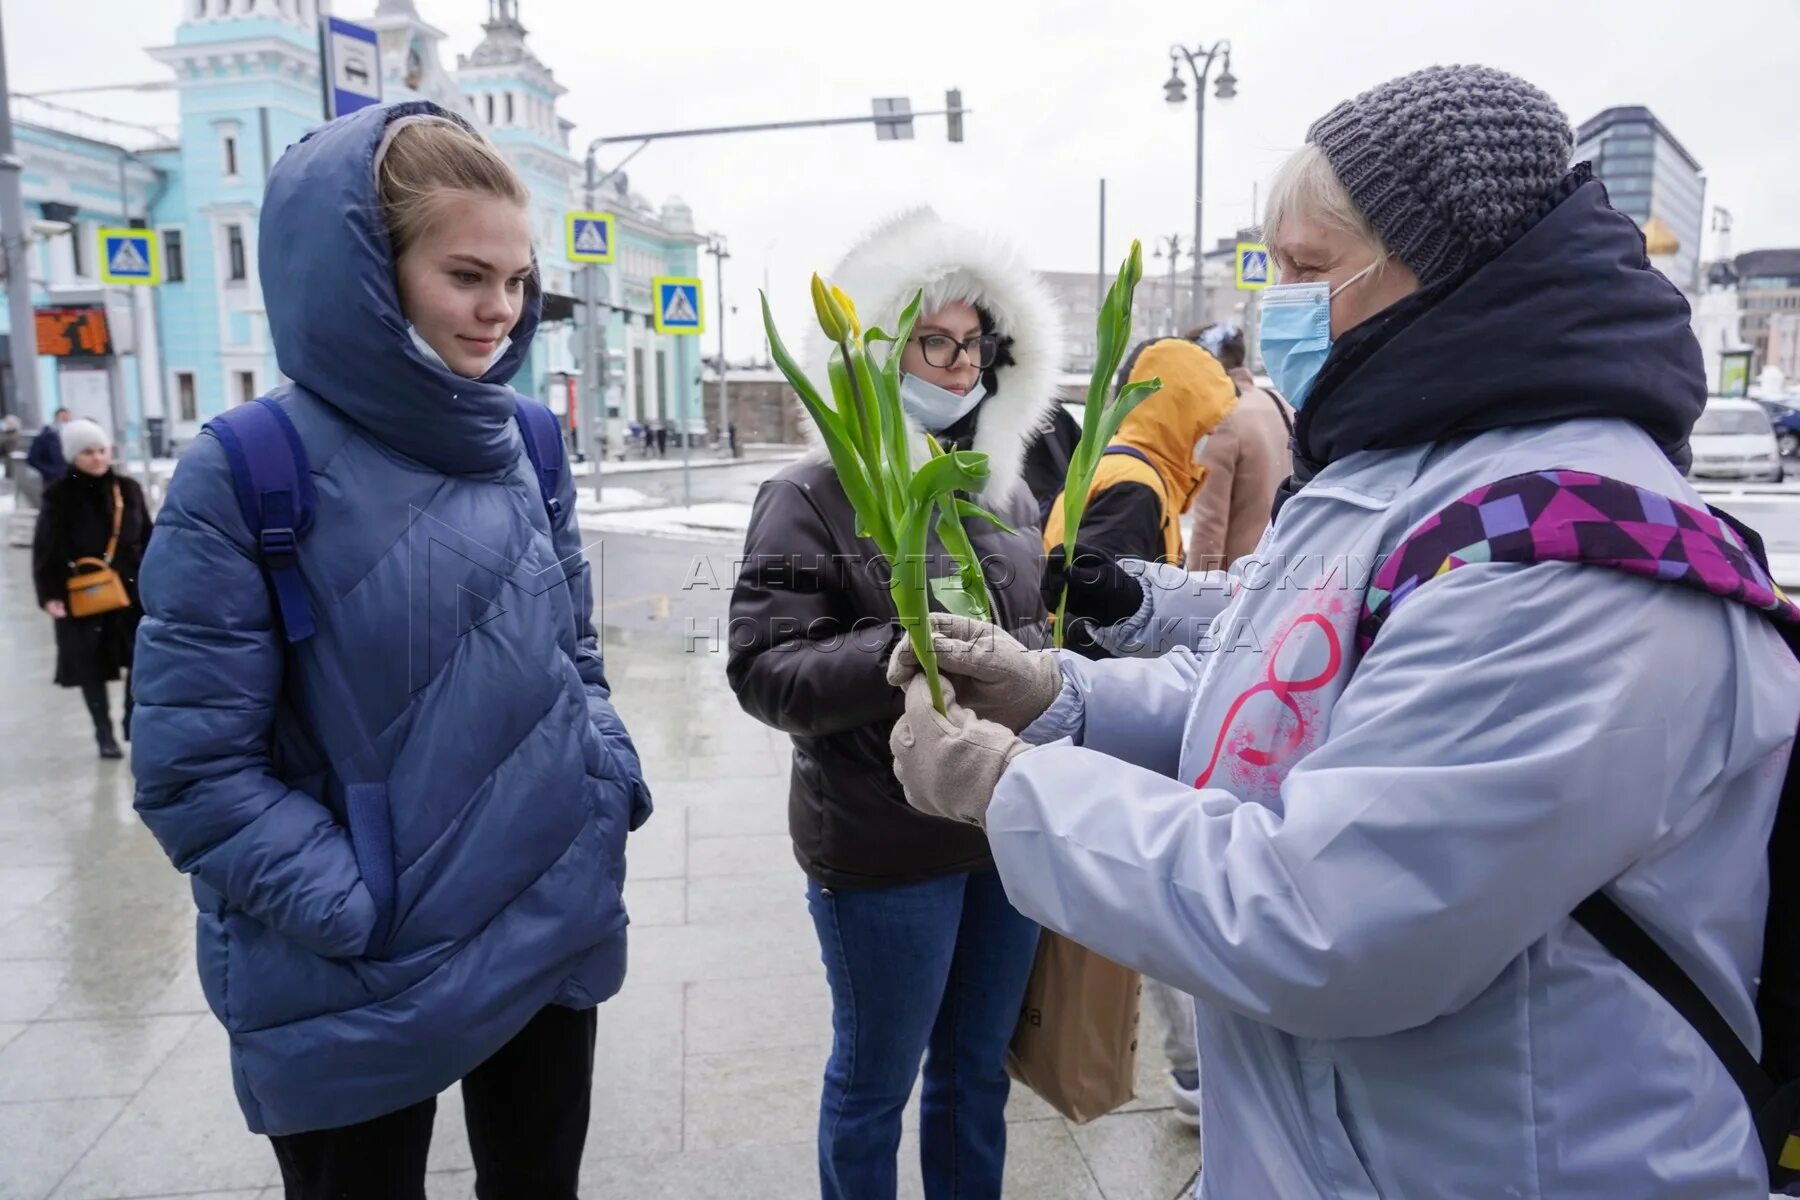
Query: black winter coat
x=812 y=626
x=75 y=522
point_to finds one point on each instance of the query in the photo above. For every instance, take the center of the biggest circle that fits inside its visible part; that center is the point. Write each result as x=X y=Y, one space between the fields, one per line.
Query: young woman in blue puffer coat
x=405 y=833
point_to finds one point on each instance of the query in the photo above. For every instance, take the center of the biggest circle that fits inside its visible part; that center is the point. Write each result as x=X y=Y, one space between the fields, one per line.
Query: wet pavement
x=113 y=1076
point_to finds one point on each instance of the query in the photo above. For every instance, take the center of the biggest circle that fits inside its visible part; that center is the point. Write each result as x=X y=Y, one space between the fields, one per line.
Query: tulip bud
x=831 y=316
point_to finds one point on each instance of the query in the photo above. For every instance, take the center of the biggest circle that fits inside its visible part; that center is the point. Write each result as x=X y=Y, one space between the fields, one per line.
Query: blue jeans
x=933 y=970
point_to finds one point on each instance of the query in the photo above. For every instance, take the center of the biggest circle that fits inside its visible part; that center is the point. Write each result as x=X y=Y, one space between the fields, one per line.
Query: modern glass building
x=1649 y=174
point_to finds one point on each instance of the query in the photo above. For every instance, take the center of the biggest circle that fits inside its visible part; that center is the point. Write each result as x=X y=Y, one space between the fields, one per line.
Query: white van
x=1734 y=440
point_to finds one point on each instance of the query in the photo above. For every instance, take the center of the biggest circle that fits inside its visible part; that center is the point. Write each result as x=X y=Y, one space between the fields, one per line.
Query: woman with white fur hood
x=924 y=955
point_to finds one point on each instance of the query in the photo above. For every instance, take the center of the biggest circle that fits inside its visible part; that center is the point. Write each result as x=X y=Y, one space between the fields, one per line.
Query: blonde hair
x=424 y=161
x=1306 y=186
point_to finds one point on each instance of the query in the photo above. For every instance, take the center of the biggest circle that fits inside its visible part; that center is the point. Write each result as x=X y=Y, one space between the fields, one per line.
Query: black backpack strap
x=1628 y=942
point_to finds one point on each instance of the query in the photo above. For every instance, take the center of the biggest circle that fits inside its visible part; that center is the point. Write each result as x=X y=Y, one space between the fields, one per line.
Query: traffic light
x=953 y=103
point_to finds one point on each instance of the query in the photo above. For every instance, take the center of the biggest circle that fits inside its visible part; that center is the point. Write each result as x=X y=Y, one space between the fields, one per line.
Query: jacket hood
x=1195 y=396
x=327 y=272
x=920 y=251
x=1569 y=321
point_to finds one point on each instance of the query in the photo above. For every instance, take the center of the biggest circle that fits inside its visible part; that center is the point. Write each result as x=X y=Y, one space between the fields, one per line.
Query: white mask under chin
x=934 y=407
x=432 y=356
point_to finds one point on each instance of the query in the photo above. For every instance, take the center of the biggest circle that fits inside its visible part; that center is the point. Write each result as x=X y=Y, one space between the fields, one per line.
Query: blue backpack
x=274 y=488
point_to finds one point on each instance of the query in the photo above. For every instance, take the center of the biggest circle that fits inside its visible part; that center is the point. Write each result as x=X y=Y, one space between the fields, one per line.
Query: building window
x=490 y=108
x=186 y=401
x=174 y=261
x=229 y=152
x=246 y=381
x=509 y=108
x=77 y=241
x=662 y=386
x=234 y=253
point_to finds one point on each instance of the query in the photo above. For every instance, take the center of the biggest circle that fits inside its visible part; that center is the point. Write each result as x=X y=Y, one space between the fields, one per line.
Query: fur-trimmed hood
x=920 y=250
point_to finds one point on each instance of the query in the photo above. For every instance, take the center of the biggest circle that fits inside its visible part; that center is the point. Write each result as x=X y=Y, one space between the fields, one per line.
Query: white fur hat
x=81 y=434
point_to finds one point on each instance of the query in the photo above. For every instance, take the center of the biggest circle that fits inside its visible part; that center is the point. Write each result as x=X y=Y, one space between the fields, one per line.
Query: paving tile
x=771 y=897
x=740 y=815
x=450 y=1185
x=450 y=1135
x=1044 y=1163
x=1138 y=1155
x=752 y=1096
x=762 y=1172
x=27 y=986
x=658 y=849
x=656 y=901
x=731 y=1015
x=21 y=887
x=727 y=950
x=10 y=1031
x=155 y=983
x=763 y=854
x=65 y=1060
x=638 y=1073
x=41 y=1139
x=182 y=1132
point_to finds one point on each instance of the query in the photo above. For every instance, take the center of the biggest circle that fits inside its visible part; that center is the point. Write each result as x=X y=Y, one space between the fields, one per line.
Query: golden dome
x=1659 y=238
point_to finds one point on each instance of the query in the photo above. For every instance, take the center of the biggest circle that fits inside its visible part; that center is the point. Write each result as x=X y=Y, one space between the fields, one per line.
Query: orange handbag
x=94 y=587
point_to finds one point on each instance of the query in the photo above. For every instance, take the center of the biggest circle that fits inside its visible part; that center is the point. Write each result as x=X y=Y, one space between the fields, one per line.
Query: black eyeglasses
x=940 y=349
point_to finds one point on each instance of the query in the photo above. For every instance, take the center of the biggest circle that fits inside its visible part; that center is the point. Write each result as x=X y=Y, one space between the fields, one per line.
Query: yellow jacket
x=1196 y=395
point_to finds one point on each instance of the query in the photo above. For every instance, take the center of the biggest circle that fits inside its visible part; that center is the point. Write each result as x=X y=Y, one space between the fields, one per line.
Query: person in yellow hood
x=1148 y=475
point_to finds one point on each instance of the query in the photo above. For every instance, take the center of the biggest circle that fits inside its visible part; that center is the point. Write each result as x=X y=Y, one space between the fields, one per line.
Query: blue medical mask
x=936 y=408
x=1296 y=332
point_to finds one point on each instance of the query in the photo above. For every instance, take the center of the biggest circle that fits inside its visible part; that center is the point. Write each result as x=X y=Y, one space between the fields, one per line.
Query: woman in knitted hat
x=1400 y=810
x=91 y=512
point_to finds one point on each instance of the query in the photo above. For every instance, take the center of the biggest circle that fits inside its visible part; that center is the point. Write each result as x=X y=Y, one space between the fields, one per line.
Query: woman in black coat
x=77 y=521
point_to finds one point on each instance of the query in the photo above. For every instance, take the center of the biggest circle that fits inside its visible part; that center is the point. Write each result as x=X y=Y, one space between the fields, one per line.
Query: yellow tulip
x=849 y=307
x=832 y=318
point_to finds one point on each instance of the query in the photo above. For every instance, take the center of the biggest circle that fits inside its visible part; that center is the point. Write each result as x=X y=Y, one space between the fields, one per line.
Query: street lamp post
x=716 y=248
x=1170 y=246
x=893 y=120
x=1199 y=61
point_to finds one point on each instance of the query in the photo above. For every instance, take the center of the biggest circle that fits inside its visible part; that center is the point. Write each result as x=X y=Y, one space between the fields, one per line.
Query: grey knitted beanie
x=1449 y=164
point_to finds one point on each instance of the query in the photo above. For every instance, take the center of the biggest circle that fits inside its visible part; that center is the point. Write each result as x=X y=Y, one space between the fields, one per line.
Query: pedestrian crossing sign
x=1252 y=266
x=589 y=236
x=677 y=305
x=129 y=256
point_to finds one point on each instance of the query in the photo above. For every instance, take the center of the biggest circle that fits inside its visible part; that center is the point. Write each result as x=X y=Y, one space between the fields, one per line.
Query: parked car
x=1785 y=416
x=1734 y=439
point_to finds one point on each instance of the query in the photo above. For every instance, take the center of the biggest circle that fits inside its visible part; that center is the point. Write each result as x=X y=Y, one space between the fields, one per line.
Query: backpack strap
x=544 y=447
x=1132 y=452
x=274 y=489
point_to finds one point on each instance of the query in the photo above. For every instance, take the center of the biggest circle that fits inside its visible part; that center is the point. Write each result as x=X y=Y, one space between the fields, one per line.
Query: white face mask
x=432 y=356
x=934 y=407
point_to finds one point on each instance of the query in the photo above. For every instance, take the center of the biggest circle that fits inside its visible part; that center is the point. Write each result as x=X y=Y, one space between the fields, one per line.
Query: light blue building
x=247 y=73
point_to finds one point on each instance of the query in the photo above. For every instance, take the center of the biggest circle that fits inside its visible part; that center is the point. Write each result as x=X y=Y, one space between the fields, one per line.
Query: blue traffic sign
x=588 y=236
x=1252 y=266
x=677 y=305
x=129 y=256
x=353 y=67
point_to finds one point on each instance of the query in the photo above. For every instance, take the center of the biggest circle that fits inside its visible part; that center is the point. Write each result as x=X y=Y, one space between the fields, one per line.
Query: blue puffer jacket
x=453 y=663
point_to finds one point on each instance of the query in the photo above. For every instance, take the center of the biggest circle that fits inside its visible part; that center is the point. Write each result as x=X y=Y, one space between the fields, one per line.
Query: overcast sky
x=1062 y=93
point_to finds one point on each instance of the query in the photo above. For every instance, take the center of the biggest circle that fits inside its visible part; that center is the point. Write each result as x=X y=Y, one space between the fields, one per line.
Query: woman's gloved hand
x=997 y=678
x=948 y=766
x=1101 y=592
